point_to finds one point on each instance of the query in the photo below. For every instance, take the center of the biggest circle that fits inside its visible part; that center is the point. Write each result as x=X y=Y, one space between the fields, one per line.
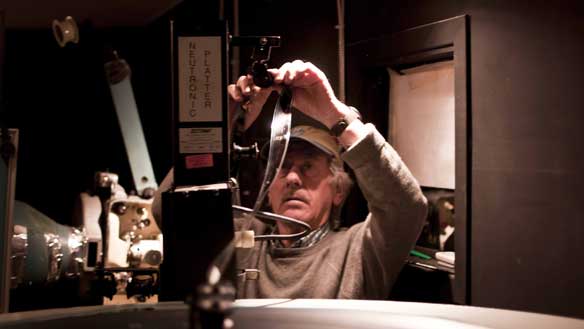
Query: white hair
x=340 y=180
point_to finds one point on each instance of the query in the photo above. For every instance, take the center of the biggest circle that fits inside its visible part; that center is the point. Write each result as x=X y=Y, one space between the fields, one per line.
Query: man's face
x=303 y=189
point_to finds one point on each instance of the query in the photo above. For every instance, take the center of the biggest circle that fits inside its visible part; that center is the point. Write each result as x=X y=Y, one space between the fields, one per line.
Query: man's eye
x=285 y=169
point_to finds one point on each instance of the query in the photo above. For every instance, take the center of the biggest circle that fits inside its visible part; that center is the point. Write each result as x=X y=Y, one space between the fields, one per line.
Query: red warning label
x=199 y=161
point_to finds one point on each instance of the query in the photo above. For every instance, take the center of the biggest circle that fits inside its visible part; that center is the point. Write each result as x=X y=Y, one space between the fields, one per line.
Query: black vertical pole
x=4 y=229
x=197 y=216
x=2 y=59
x=6 y=147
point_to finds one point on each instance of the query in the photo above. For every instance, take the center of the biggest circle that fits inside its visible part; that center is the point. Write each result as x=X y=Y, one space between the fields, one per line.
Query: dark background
x=526 y=104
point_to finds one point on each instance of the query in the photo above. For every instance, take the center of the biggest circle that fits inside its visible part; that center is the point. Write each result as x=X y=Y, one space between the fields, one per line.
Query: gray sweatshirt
x=361 y=262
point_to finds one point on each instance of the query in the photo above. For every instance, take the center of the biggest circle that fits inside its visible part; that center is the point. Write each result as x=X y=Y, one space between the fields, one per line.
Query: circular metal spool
x=286 y=313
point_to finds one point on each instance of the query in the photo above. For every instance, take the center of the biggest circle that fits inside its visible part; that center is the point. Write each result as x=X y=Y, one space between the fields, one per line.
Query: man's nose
x=293 y=177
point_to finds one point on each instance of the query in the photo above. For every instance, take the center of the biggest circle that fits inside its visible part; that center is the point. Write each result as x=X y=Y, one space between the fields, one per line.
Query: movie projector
x=115 y=245
x=113 y=248
x=124 y=241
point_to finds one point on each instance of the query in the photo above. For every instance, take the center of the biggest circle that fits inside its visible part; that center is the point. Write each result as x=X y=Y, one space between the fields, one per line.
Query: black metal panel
x=416 y=46
x=527 y=178
x=197 y=226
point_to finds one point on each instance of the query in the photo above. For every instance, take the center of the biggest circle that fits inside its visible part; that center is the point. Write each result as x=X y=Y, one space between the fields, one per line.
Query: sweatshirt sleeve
x=397 y=210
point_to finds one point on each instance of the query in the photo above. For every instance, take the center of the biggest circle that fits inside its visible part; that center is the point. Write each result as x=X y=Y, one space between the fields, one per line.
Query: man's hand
x=311 y=91
x=251 y=98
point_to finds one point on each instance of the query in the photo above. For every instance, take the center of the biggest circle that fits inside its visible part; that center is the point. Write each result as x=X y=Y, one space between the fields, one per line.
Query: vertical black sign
x=200 y=73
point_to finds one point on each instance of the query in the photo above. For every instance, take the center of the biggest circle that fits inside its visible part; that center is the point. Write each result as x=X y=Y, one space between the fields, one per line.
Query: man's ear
x=339 y=194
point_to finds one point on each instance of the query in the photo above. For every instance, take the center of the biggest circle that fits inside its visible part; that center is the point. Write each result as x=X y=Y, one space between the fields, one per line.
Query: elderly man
x=360 y=262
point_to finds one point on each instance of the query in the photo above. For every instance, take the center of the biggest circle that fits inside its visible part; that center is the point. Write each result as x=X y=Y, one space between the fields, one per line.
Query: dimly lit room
x=291 y=164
